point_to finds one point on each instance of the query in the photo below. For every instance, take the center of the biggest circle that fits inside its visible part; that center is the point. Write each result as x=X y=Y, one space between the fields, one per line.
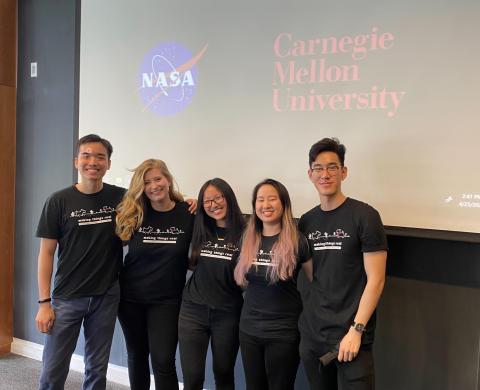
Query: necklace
x=219 y=238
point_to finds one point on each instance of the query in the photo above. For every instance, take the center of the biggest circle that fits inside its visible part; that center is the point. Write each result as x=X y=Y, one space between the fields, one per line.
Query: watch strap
x=359 y=327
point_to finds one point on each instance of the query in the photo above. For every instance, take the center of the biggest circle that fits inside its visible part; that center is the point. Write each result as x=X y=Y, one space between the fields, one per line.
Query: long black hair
x=204 y=228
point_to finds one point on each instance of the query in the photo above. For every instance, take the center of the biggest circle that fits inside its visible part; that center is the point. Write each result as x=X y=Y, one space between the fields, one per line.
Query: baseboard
x=27 y=349
x=116 y=374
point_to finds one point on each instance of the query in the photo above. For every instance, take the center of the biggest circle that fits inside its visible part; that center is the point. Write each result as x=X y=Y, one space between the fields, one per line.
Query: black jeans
x=199 y=325
x=150 y=330
x=269 y=364
x=359 y=374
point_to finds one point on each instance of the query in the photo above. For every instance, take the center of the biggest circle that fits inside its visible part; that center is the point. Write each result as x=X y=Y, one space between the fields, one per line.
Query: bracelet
x=45 y=300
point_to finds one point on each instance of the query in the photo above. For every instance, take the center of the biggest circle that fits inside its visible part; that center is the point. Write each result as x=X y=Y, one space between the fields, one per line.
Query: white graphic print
x=328 y=241
x=92 y=217
x=217 y=251
x=264 y=258
x=158 y=236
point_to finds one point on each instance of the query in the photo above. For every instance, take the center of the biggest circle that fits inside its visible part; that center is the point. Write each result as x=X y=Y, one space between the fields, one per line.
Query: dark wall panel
x=440 y=261
x=46 y=129
x=428 y=336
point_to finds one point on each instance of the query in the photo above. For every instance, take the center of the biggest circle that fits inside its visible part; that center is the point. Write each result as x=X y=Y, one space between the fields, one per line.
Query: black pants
x=199 y=325
x=359 y=374
x=150 y=330
x=269 y=364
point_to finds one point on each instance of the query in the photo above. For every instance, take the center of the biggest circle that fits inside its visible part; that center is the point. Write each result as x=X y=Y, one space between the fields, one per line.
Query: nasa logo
x=168 y=78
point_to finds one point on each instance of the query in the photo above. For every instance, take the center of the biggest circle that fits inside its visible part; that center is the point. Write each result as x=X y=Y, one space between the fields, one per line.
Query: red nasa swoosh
x=189 y=64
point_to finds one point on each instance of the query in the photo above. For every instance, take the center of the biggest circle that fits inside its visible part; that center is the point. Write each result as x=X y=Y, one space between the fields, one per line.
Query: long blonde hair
x=284 y=250
x=131 y=209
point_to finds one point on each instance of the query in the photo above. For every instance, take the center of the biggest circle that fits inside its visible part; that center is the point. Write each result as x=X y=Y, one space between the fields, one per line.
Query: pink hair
x=284 y=250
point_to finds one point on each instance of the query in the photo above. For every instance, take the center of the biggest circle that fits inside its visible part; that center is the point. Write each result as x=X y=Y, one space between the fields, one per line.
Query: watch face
x=360 y=327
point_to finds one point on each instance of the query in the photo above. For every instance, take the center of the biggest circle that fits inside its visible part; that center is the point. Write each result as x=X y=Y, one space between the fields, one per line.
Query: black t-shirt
x=271 y=310
x=338 y=239
x=89 y=252
x=156 y=264
x=212 y=281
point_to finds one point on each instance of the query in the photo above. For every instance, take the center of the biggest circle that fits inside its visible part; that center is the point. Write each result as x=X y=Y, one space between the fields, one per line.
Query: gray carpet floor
x=21 y=373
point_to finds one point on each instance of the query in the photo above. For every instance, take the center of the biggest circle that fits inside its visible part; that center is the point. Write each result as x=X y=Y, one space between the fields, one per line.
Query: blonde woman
x=155 y=222
x=272 y=253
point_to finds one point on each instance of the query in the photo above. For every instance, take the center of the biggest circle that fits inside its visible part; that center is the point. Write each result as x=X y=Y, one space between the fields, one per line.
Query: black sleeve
x=372 y=233
x=49 y=225
x=303 y=249
x=301 y=223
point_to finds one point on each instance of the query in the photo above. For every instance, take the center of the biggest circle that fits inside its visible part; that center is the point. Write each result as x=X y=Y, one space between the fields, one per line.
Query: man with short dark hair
x=80 y=220
x=348 y=246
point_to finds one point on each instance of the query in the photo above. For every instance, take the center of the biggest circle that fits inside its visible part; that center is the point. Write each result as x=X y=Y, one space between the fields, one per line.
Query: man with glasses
x=348 y=246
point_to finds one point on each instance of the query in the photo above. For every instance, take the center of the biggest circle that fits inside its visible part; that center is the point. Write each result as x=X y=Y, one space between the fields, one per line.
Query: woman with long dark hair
x=156 y=224
x=212 y=301
x=272 y=253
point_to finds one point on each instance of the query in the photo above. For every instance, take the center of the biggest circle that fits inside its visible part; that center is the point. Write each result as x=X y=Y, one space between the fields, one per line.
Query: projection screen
x=241 y=90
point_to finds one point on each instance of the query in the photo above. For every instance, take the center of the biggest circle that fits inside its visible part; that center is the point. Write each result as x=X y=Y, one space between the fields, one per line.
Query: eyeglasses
x=331 y=169
x=216 y=199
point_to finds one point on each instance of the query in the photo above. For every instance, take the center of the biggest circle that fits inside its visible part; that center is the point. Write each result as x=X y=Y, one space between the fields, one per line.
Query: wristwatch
x=361 y=328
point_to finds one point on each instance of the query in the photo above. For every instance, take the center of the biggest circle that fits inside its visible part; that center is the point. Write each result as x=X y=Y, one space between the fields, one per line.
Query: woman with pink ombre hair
x=272 y=253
